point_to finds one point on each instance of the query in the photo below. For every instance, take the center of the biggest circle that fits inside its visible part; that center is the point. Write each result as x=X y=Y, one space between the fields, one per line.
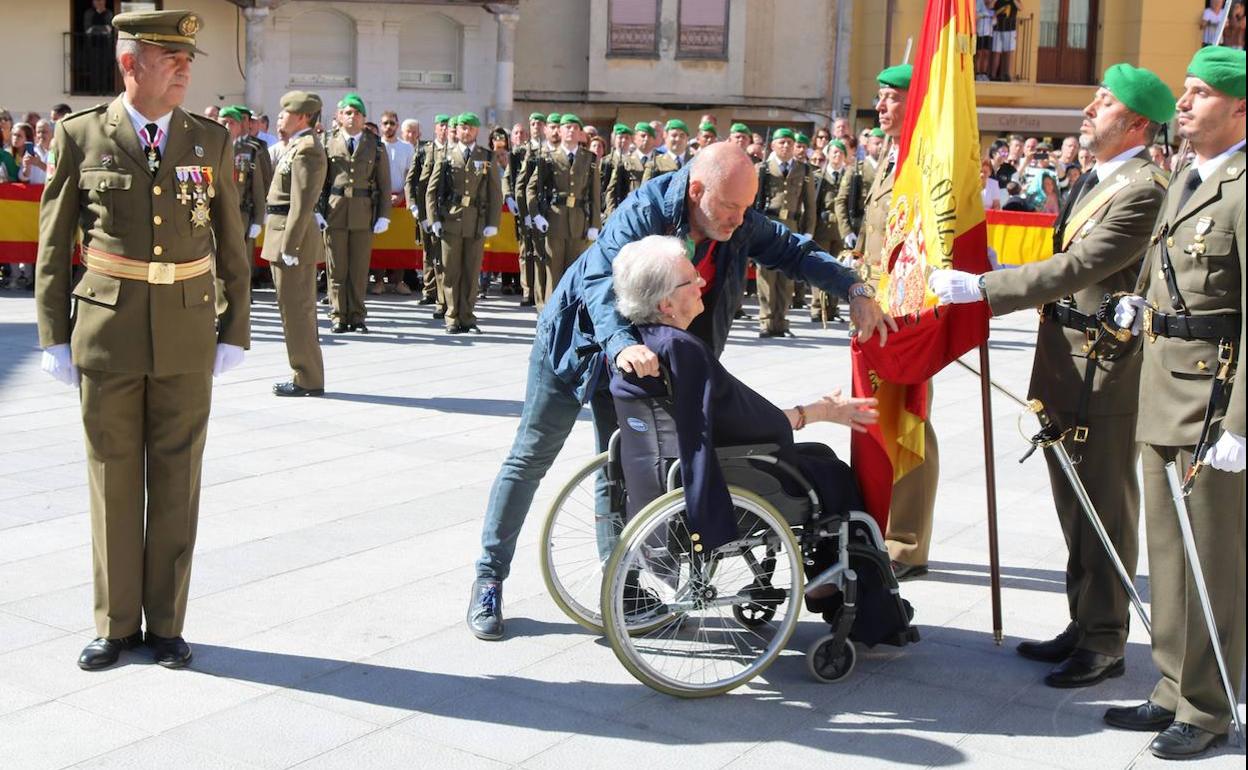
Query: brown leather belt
x=159 y=273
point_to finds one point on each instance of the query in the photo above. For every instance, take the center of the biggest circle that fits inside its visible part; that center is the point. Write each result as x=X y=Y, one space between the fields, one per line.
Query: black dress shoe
x=291 y=390
x=426 y=301
x=340 y=328
x=485 y=609
x=527 y=302
x=361 y=328
x=104 y=652
x=455 y=330
x=1183 y=741
x=439 y=314
x=471 y=328
x=908 y=571
x=765 y=334
x=170 y=652
x=1147 y=717
x=1085 y=668
x=323 y=301
x=1054 y=650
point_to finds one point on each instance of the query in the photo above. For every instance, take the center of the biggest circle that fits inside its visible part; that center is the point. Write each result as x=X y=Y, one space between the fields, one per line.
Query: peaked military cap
x=782 y=133
x=301 y=103
x=1220 y=67
x=676 y=124
x=897 y=76
x=644 y=127
x=568 y=119
x=707 y=125
x=174 y=30
x=352 y=101
x=740 y=128
x=469 y=119
x=1141 y=90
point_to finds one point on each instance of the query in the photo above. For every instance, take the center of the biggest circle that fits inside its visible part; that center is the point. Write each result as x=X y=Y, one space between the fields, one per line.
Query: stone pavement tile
x=588 y=674
x=1050 y=735
x=18 y=632
x=269 y=660
x=966 y=661
x=39 y=538
x=365 y=627
x=160 y=753
x=14 y=698
x=38 y=506
x=272 y=731
x=50 y=668
x=42 y=574
x=617 y=743
x=393 y=749
x=69 y=609
x=54 y=735
x=157 y=700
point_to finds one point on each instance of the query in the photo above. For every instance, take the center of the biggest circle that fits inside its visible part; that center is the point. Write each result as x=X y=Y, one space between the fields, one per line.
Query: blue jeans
x=550 y=410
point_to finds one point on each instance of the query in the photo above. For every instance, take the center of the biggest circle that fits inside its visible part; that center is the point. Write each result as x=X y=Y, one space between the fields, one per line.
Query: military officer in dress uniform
x=1189 y=306
x=825 y=306
x=909 y=531
x=150 y=187
x=521 y=157
x=564 y=195
x=357 y=206
x=621 y=137
x=416 y=186
x=786 y=193
x=1092 y=393
x=465 y=199
x=293 y=244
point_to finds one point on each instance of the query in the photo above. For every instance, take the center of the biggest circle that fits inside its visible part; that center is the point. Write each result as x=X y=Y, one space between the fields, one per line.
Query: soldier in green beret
x=628 y=175
x=532 y=248
x=786 y=193
x=676 y=134
x=252 y=174
x=1189 y=306
x=149 y=188
x=741 y=135
x=707 y=134
x=621 y=140
x=356 y=200
x=417 y=185
x=825 y=306
x=1100 y=235
x=553 y=138
x=465 y=201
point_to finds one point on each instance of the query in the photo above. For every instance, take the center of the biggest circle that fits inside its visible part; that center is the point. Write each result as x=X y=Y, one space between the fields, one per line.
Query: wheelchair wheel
x=571 y=562
x=828 y=664
x=700 y=648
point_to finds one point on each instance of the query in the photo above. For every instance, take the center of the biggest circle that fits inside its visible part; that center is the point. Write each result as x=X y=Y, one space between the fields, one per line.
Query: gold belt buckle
x=161 y=273
x=571 y=200
x=1148 y=324
x=465 y=201
x=347 y=191
x=1081 y=434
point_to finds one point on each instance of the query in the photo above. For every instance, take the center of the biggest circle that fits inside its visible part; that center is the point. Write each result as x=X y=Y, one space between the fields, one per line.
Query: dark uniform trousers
x=775 y=294
x=162 y=459
x=909 y=531
x=296 y=300
x=461 y=273
x=563 y=252
x=528 y=273
x=434 y=284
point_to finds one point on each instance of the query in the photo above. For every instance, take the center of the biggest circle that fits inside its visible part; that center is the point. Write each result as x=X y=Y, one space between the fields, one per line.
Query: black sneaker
x=485 y=609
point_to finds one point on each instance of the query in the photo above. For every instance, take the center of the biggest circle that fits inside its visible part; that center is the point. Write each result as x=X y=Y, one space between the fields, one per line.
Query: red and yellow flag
x=936 y=220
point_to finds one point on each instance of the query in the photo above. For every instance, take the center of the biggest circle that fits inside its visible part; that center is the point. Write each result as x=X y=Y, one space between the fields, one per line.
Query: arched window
x=430 y=51
x=322 y=51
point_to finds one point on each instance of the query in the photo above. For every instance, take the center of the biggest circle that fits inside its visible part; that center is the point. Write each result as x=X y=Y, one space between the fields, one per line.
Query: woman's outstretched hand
x=857 y=413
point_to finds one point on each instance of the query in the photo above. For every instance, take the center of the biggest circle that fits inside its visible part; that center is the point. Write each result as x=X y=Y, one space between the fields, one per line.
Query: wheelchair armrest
x=746 y=450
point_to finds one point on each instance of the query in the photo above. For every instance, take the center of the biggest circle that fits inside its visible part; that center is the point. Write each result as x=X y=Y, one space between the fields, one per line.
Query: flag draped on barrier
x=936 y=219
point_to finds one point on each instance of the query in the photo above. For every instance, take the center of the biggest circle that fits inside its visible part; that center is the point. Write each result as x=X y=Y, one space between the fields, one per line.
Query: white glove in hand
x=58 y=362
x=954 y=287
x=427 y=226
x=851 y=240
x=289 y=260
x=437 y=229
x=592 y=234
x=808 y=236
x=1127 y=313
x=253 y=232
x=528 y=221
x=228 y=357
x=489 y=232
x=321 y=224
x=415 y=211
x=1227 y=453
x=845 y=259
x=512 y=206
x=381 y=226
x=540 y=223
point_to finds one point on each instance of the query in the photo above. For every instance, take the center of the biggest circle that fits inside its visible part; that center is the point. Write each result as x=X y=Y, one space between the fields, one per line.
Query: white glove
x=489 y=232
x=437 y=229
x=528 y=221
x=382 y=225
x=592 y=234
x=58 y=362
x=253 y=232
x=321 y=224
x=954 y=287
x=1227 y=453
x=1127 y=313
x=427 y=226
x=415 y=211
x=289 y=260
x=540 y=223
x=851 y=240
x=845 y=259
x=808 y=236
x=228 y=357
x=512 y=206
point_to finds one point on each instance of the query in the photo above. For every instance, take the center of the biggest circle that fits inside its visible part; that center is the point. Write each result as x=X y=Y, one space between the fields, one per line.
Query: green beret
x=354 y=102
x=301 y=103
x=838 y=144
x=621 y=128
x=1141 y=91
x=897 y=77
x=740 y=128
x=782 y=133
x=469 y=119
x=707 y=125
x=247 y=112
x=441 y=117
x=553 y=117
x=174 y=30
x=538 y=116
x=801 y=138
x=1220 y=67
x=643 y=126
x=676 y=123
x=570 y=120
x=233 y=112
x=877 y=132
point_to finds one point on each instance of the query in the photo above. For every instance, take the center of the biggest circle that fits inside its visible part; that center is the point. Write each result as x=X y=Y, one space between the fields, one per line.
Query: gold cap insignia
x=189 y=25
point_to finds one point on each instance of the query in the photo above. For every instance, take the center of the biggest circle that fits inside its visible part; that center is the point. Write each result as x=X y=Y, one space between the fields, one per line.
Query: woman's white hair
x=646 y=273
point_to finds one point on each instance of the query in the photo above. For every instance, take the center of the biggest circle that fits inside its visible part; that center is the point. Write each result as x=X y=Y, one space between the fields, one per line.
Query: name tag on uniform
x=465 y=200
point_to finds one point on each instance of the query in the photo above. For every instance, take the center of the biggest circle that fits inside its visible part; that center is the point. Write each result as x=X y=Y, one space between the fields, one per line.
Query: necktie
x=571 y=158
x=351 y=147
x=784 y=169
x=1189 y=186
x=151 y=135
x=467 y=154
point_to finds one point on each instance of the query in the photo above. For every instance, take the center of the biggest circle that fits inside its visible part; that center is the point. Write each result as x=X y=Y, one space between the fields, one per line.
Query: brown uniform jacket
x=842 y=205
x=788 y=199
x=1175 y=381
x=663 y=163
x=874 y=226
x=297 y=182
x=417 y=182
x=627 y=176
x=249 y=179
x=359 y=184
x=100 y=183
x=569 y=196
x=827 y=187
x=1102 y=257
x=466 y=196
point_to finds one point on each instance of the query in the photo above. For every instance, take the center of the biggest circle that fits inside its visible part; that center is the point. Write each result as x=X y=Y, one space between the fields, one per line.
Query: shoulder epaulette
x=98 y=109
x=209 y=122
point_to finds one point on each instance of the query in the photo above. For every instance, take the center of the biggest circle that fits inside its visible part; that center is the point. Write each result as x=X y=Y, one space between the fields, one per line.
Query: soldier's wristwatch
x=861 y=290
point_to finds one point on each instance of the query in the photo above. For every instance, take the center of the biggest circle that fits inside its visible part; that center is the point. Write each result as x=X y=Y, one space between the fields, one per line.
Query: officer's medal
x=1197 y=247
x=199 y=209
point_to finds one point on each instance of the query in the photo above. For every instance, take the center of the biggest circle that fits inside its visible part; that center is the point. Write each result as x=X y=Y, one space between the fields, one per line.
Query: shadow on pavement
x=1029 y=579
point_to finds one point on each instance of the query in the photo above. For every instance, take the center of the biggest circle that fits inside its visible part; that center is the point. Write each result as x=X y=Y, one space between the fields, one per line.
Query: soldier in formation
x=564 y=197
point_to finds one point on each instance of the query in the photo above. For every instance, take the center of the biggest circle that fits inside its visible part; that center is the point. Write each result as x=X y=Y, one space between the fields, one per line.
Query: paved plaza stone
x=335 y=552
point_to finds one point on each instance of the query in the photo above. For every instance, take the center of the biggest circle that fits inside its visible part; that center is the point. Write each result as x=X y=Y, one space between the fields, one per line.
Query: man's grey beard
x=1099 y=139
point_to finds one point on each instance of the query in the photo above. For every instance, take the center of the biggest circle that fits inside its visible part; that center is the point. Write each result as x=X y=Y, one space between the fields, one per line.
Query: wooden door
x=1067 y=41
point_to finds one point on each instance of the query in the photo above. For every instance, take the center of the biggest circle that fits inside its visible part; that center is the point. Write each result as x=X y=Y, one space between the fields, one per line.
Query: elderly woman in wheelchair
x=726 y=515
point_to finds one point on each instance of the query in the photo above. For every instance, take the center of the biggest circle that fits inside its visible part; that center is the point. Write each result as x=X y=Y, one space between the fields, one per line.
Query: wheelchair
x=692 y=622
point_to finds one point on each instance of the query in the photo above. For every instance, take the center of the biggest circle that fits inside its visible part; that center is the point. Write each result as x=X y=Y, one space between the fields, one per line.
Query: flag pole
x=990 y=481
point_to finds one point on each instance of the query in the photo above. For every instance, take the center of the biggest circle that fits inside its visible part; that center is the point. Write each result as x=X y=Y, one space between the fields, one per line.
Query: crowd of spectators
x=24 y=148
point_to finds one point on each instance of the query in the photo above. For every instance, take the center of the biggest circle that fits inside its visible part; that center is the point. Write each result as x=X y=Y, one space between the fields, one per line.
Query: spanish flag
x=936 y=220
